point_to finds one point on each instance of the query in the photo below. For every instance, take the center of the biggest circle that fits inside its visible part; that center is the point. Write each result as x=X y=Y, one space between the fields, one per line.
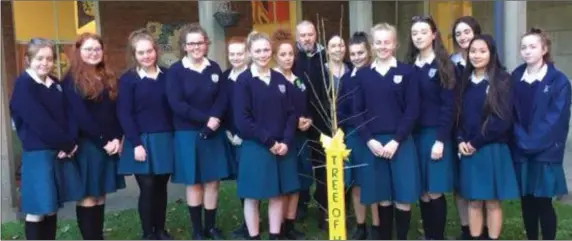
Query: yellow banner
x=336 y=153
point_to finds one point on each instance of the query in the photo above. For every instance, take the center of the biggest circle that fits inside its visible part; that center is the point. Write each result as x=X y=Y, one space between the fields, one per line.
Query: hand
x=62 y=155
x=140 y=153
x=282 y=150
x=471 y=148
x=274 y=148
x=437 y=151
x=389 y=149
x=307 y=124
x=301 y=122
x=230 y=137
x=237 y=140
x=464 y=149
x=213 y=123
x=375 y=147
x=112 y=147
x=72 y=153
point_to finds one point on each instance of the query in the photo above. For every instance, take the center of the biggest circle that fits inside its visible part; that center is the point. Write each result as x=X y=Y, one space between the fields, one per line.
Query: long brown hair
x=89 y=81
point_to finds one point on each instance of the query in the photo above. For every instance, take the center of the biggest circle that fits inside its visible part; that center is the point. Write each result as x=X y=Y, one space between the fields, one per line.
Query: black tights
x=152 y=202
x=535 y=210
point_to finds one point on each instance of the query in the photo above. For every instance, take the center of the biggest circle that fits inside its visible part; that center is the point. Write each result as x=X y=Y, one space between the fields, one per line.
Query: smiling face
x=422 y=35
x=532 y=50
x=91 y=51
x=463 y=35
x=358 y=54
x=384 y=44
x=261 y=52
x=336 y=49
x=285 y=56
x=42 y=62
x=237 y=54
x=196 y=46
x=145 y=53
x=479 y=54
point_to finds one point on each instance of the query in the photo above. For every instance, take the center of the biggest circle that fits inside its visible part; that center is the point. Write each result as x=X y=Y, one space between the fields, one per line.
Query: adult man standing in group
x=308 y=65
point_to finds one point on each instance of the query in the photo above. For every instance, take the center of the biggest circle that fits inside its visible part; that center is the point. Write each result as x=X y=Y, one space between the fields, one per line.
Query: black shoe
x=374 y=233
x=359 y=234
x=241 y=232
x=214 y=233
x=150 y=236
x=293 y=234
x=163 y=235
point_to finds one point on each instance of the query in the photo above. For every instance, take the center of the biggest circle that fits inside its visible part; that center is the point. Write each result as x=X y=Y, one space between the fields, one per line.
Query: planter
x=227 y=19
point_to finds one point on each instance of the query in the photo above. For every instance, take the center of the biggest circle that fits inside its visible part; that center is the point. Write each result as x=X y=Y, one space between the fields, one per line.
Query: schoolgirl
x=197 y=99
x=464 y=29
x=283 y=49
x=360 y=56
x=389 y=92
x=91 y=91
x=266 y=121
x=146 y=119
x=486 y=172
x=238 y=59
x=433 y=138
x=542 y=114
x=48 y=136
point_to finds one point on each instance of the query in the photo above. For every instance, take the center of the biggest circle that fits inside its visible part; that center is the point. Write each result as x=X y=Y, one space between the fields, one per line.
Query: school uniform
x=488 y=173
x=542 y=114
x=146 y=119
x=195 y=95
x=299 y=101
x=44 y=128
x=233 y=140
x=264 y=115
x=391 y=98
x=460 y=64
x=436 y=119
x=98 y=124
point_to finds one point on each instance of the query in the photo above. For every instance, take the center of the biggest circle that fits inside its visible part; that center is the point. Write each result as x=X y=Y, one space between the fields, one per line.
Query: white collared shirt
x=538 y=76
x=142 y=74
x=383 y=69
x=420 y=63
x=477 y=80
x=255 y=74
x=458 y=59
x=290 y=78
x=354 y=71
x=189 y=65
x=48 y=82
x=234 y=73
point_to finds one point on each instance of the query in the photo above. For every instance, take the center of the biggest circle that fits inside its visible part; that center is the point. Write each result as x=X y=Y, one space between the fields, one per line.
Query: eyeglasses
x=92 y=50
x=421 y=18
x=190 y=44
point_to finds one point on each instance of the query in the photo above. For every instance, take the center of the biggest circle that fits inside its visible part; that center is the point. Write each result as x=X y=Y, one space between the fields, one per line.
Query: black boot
x=374 y=233
x=274 y=236
x=360 y=232
x=289 y=231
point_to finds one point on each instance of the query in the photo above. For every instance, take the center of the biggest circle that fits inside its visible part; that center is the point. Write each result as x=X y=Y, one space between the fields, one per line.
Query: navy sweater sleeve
x=496 y=127
x=35 y=115
x=243 y=116
x=125 y=109
x=176 y=97
x=446 y=114
x=541 y=135
x=83 y=118
x=221 y=102
x=411 y=112
x=292 y=119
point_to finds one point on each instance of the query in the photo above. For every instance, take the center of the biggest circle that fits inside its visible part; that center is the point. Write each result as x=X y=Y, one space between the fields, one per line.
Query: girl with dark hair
x=146 y=119
x=433 y=138
x=91 y=91
x=197 y=98
x=464 y=30
x=487 y=175
x=360 y=56
x=542 y=115
x=48 y=136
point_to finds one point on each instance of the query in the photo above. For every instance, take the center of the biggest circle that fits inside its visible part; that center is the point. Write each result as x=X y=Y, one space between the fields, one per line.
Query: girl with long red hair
x=90 y=87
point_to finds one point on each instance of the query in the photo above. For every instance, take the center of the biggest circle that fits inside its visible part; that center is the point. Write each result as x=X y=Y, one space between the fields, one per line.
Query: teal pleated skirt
x=541 y=179
x=305 y=170
x=397 y=180
x=437 y=176
x=98 y=170
x=356 y=163
x=488 y=174
x=232 y=151
x=199 y=161
x=159 y=148
x=262 y=175
x=48 y=182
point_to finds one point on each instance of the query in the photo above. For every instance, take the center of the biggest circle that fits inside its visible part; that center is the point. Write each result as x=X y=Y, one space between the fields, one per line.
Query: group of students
x=418 y=129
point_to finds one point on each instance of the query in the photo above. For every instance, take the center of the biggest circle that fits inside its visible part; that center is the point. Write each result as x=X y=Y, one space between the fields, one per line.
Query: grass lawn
x=124 y=225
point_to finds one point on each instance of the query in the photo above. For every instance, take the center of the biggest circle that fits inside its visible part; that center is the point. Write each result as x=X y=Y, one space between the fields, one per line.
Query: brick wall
x=330 y=12
x=119 y=18
x=8 y=46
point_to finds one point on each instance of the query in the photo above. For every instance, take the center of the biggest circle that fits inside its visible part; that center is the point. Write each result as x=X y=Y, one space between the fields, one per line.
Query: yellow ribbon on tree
x=336 y=154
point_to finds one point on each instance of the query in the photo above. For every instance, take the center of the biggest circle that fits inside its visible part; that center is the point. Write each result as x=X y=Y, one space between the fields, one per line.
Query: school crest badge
x=546 y=89
x=432 y=72
x=59 y=87
x=214 y=78
x=397 y=79
x=282 y=88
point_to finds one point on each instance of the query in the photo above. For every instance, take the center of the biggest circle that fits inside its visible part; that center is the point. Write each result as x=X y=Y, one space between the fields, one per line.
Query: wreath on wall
x=225 y=16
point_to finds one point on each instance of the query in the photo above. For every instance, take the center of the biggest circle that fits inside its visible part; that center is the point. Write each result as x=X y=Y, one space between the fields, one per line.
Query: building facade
x=61 y=21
